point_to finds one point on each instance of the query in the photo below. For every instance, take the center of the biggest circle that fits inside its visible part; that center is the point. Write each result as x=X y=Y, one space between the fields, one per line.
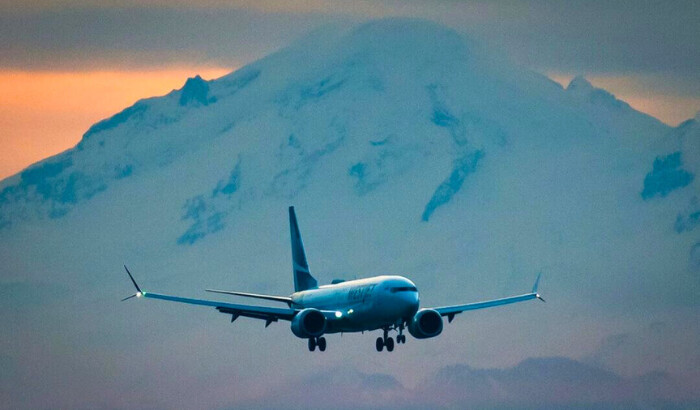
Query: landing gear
x=317 y=341
x=389 y=342
x=401 y=338
x=385 y=341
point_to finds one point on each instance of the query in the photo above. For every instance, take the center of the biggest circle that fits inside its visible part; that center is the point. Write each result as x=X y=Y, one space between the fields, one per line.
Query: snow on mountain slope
x=406 y=149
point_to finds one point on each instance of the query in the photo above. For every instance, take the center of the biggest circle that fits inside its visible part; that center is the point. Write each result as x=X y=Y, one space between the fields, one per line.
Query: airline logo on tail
x=302 y=276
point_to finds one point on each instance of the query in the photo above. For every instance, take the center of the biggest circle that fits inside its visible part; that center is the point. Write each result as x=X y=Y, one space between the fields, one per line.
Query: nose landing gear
x=401 y=338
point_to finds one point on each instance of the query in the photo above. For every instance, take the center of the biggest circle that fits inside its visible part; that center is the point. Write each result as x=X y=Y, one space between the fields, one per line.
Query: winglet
x=534 y=287
x=139 y=293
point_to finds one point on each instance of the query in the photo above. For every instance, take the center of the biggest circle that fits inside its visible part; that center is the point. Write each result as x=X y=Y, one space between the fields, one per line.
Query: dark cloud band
x=590 y=37
x=136 y=37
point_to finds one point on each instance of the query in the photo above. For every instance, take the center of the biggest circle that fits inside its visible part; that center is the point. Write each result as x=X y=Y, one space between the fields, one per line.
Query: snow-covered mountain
x=407 y=149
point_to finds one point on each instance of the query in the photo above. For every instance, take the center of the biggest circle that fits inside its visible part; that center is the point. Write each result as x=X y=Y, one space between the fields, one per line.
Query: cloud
x=340 y=388
x=91 y=37
x=554 y=382
x=657 y=346
x=592 y=37
x=602 y=36
x=550 y=382
x=651 y=45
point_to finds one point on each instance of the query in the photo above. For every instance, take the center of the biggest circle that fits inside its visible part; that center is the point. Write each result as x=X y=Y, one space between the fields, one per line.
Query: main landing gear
x=388 y=342
x=317 y=341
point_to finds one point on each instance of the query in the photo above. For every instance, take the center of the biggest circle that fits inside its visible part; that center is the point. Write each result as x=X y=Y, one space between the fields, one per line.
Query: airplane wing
x=285 y=299
x=269 y=314
x=451 y=311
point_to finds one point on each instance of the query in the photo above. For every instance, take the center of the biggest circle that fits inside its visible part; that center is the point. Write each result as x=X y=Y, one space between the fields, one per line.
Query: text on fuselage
x=360 y=293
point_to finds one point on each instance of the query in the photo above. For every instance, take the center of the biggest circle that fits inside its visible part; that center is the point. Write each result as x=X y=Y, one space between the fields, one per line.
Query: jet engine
x=425 y=323
x=309 y=323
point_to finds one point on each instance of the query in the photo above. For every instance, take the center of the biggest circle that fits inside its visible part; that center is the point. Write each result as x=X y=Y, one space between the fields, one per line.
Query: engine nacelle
x=425 y=323
x=309 y=323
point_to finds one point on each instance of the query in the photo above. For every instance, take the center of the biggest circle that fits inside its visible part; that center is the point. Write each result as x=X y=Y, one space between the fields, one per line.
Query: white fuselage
x=363 y=304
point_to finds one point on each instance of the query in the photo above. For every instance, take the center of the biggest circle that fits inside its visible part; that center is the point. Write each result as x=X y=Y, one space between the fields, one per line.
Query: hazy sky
x=561 y=190
x=56 y=55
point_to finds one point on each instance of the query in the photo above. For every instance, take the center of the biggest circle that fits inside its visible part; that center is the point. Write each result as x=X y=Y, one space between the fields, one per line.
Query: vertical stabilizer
x=302 y=277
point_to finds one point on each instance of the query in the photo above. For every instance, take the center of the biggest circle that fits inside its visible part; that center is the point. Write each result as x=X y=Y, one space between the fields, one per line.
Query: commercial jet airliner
x=387 y=303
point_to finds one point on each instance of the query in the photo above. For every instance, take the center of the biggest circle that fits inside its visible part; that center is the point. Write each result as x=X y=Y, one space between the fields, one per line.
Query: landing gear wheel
x=380 y=344
x=401 y=339
x=312 y=344
x=389 y=344
x=321 y=344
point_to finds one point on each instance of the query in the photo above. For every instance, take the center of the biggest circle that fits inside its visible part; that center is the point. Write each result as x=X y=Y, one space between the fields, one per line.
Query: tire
x=312 y=344
x=322 y=344
x=380 y=344
x=389 y=344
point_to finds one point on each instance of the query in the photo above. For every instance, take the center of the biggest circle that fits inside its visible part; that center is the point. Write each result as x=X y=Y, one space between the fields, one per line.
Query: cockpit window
x=403 y=289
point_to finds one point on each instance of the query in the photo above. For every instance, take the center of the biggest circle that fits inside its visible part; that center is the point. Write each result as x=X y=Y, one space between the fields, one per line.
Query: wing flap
x=285 y=299
x=256 y=312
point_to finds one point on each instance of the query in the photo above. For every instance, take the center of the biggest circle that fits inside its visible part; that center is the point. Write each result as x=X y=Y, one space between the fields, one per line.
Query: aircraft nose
x=415 y=301
x=410 y=301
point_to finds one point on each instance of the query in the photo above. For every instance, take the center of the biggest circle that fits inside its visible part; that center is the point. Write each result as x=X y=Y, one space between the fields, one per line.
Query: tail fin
x=302 y=277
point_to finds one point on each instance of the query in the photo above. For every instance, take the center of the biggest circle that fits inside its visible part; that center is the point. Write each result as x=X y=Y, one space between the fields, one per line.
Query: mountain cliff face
x=406 y=148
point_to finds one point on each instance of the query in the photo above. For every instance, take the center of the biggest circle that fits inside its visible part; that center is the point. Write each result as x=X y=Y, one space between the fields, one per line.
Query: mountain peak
x=417 y=42
x=195 y=90
x=581 y=88
x=580 y=85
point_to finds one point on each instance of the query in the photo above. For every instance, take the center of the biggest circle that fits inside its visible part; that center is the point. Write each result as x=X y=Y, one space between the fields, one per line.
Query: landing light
x=338 y=314
x=139 y=294
x=350 y=311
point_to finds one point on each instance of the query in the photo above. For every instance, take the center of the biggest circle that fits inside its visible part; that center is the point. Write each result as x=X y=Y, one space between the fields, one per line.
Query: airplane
x=387 y=303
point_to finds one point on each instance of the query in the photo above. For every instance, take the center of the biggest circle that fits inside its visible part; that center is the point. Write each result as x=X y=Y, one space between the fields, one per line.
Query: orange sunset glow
x=670 y=109
x=44 y=112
